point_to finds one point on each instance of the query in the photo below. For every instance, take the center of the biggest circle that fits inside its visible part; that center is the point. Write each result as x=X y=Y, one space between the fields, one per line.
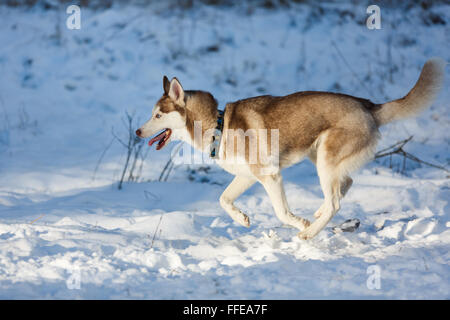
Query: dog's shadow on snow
x=108 y=200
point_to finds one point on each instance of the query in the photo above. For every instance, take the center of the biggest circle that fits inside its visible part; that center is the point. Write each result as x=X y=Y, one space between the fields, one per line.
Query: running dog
x=337 y=132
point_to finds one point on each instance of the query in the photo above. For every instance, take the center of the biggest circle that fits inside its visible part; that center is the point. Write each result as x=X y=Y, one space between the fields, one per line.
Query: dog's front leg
x=234 y=190
x=274 y=188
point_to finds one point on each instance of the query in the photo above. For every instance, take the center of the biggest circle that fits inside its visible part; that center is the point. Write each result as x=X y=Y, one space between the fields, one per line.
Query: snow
x=62 y=91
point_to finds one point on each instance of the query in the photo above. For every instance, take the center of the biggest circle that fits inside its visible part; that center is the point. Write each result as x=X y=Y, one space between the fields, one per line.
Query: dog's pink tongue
x=157 y=138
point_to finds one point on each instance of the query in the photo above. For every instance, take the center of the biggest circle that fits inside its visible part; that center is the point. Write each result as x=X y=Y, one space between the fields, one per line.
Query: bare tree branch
x=169 y=166
x=397 y=148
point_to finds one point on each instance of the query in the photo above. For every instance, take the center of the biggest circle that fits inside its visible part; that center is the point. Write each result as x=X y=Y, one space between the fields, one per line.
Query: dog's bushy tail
x=419 y=98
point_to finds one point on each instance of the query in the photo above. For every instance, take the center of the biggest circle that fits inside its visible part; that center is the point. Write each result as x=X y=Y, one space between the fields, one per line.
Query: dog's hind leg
x=273 y=184
x=340 y=152
x=344 y=185
x=330 y=187
x=234 y=190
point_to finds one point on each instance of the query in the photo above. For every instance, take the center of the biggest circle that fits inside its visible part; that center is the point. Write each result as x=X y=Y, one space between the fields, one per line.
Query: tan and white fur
x=337 y=132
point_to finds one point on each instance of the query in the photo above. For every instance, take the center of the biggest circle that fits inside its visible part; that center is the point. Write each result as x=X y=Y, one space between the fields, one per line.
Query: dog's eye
x=158 y=115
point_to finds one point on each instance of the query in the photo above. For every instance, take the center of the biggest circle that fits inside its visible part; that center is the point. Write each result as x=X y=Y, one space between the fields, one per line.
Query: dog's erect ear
x=176 y=92
x=166 y=85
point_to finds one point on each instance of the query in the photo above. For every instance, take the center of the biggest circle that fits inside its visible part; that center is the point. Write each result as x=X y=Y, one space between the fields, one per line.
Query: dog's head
x=168 y=115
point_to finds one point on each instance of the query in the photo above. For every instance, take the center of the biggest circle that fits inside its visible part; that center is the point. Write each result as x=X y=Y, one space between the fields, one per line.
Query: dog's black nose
x=138 y=132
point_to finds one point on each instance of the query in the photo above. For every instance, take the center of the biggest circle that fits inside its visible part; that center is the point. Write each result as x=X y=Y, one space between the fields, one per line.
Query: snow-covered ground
x=63 y=92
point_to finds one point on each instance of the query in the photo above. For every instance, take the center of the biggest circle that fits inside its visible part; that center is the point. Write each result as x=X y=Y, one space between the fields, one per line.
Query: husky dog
x=337 y=132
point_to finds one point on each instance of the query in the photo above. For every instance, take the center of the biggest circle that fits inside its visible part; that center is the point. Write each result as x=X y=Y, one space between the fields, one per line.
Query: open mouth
x=161 y=138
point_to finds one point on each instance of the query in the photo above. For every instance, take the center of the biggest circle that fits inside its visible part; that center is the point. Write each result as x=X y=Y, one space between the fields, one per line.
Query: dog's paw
x=300 y=223
x=246 y=222
x=243 y=220
x=305 y=235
